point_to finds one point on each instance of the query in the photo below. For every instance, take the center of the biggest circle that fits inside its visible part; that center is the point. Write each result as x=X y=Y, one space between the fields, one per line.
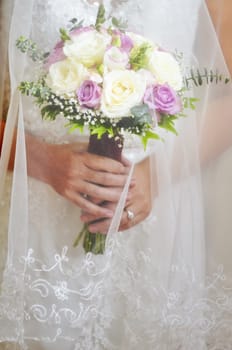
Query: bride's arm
x=221 y=16
x=72 y=172
x=217 y=134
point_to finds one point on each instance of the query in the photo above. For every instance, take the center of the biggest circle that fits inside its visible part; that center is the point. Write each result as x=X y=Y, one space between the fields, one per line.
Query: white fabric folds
x=164 y=284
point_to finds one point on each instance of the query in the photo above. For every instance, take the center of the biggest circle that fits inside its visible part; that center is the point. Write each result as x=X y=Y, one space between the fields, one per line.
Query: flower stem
x=81 y=234
x=94 y=242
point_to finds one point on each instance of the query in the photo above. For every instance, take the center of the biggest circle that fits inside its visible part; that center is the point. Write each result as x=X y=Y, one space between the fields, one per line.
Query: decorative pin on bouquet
x=111 y=81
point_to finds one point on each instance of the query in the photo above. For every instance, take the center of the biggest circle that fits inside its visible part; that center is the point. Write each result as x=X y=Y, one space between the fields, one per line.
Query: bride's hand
x=76 y=174
x=139 y=203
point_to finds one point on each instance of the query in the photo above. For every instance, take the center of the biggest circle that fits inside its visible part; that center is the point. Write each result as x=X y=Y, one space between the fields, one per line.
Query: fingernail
x=109 y=214
x=92 y=229
x=132 y=183
x=83 y=218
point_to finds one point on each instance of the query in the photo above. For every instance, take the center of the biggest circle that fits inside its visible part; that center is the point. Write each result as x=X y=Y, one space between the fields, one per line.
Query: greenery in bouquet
x=110 y=81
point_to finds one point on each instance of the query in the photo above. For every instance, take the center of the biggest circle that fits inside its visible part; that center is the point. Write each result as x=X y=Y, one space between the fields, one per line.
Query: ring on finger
x=130 y=214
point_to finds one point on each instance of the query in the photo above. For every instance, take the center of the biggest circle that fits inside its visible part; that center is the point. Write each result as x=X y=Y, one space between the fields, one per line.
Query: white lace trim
x=190 y=316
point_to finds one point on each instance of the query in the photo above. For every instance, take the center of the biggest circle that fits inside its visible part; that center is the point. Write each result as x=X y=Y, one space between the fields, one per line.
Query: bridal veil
x=164 y=284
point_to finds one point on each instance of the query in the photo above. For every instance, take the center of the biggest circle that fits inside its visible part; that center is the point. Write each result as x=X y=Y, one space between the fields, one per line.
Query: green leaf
x=100 y=17
x=119 y=23
x=183 y=115
x=100 y=130
x=76 y=24
x=116 y=41
x=30 y=48
x=209 y=76
x=199 y=78
x=100 y=69
x=167 y=123
x=50 y=112
x=190 y=102
x=141 y=114
x=74 y=126
x=73 y=20
x=38 y=89
x=126 y=122
x=25 y=87
x=139 y=57
x=64 y=35
x=149 y=135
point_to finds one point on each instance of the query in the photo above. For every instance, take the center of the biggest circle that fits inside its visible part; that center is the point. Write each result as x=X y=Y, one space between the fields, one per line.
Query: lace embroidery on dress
x=192 y=316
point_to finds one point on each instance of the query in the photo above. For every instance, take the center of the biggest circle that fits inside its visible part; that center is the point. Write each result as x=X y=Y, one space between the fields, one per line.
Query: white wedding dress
x=164 y=284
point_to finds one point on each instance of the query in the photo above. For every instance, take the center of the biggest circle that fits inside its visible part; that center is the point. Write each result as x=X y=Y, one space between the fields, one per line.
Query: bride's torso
x=163 y=20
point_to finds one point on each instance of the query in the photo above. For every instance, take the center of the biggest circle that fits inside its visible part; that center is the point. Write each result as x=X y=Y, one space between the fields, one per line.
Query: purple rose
x=56 y=55
x=163 y=99
x=89 y=94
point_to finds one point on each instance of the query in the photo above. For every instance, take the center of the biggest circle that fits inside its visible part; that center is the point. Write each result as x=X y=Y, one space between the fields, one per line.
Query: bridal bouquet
x=111 y=81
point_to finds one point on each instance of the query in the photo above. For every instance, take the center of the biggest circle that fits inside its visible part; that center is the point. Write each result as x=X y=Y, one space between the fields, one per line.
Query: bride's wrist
x=38 y=154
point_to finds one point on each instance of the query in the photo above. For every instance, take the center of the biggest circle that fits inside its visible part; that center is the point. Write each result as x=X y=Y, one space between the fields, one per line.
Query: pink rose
x=80 y=30
x=89 y=94
x=116 y=58
x=55 y=55
x=163 y=99
x=126 y=42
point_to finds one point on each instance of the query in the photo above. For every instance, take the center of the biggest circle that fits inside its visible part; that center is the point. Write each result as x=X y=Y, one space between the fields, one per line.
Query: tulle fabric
x=5 y=11
x=164 y=284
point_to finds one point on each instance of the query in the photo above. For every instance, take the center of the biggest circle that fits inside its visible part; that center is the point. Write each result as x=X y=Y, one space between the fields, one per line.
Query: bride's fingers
x=100 y=193
x=100 y=226
x=126 y=161
x=94 y=200
x=88 y=217
x=94 y=209
x=129 y=219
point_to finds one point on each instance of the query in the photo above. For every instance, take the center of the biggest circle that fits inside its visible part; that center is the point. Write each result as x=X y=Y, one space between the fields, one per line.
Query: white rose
x=165 y=69
x=66 y=76
x=95 y=76
x=122 y=90
x=147 y=76
x=87 y=47
x=115 y=59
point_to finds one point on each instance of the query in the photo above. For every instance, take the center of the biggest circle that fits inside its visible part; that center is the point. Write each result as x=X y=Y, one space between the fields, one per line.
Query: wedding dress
x=163 y=284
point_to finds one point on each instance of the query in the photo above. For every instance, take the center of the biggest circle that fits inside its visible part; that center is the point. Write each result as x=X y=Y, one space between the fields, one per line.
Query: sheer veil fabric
x=5 y=11
x=164 y=284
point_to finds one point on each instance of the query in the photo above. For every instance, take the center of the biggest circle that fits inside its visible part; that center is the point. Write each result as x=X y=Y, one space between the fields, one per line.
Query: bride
x=164 y=281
